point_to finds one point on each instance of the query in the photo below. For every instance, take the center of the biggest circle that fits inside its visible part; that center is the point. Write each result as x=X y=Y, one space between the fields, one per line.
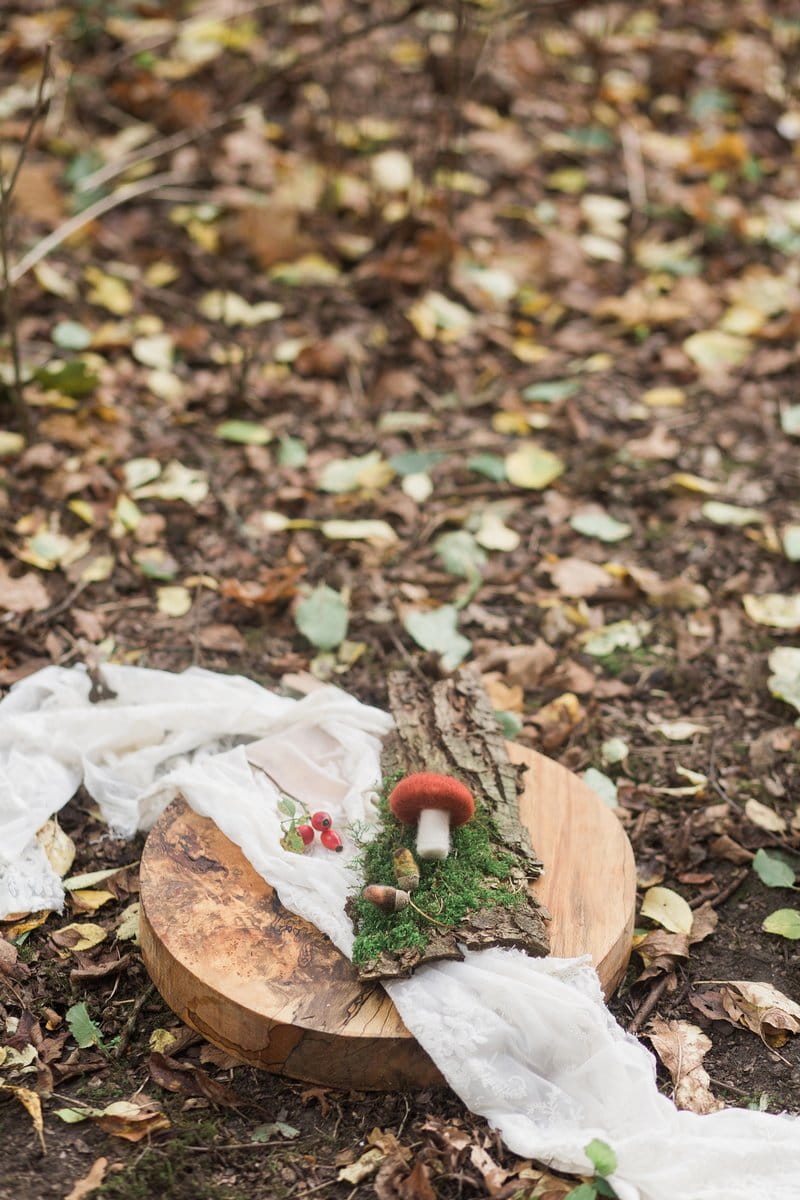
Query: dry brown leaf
x=181 y=1077
x=521 y=665
x=9 y=964
x=557 y=720
x=504 y=698
x=682 y=594
x=659 y=445
x=576 y=577
x=706 y=919
x=658 y=950
x=682 y=1047
x=90 y=1182
x=494 y=1176
x=761 y=1008
x=224 y=638
x=22 y=593
x=133 y=1119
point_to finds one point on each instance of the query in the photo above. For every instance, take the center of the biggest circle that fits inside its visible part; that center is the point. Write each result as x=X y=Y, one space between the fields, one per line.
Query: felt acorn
x=406 y=871
x=387 y=899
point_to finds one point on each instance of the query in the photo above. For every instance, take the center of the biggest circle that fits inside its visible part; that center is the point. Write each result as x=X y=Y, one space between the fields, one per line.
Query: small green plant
x=604 y=1161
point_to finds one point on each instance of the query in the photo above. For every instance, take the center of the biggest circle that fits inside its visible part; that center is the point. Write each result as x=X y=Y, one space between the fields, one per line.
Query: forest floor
x=423 y=333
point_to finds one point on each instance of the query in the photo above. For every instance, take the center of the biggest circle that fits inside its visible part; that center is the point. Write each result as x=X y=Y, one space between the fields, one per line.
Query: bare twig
x=10 y=314
x=130 y=1024
x=53 y=240
x=651 y=1000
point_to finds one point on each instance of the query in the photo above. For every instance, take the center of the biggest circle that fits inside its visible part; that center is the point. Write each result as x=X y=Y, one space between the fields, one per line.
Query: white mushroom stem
x=433 y=833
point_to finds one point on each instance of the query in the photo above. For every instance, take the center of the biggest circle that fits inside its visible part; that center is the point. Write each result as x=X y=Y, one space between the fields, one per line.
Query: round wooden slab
x=269 y=988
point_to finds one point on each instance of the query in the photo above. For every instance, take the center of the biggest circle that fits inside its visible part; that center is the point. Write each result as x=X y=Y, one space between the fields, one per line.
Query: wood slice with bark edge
x=270 y=989
x=450 y=727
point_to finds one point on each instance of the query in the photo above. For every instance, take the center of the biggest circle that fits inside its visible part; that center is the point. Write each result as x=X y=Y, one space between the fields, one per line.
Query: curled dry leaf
x=191 y=1081
x=89 y=1182
x=658 y=950
x=557 y=720
x=763 y=1009
x=682 y=1047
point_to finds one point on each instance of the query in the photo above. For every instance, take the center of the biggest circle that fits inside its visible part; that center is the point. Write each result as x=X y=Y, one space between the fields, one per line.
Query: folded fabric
x=526 y=1043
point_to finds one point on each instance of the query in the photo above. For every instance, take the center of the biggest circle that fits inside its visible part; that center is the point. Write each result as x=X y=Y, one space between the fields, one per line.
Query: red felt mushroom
x=434 y=803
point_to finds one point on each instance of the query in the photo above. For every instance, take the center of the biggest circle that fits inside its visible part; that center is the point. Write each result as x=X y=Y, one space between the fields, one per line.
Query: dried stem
x=9 y=303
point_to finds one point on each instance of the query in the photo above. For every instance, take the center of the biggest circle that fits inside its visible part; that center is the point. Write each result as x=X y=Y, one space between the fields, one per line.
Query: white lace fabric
x=526 y=1043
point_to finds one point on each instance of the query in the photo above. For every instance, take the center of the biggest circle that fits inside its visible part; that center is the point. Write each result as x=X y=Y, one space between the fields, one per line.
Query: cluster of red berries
x=321 y=823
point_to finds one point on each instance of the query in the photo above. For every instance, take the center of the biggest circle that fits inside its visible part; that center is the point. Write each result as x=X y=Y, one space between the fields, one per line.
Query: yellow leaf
x=161 y=1040
x=90 y=899
x=774 y=609
x=530 y=466
x=79 y=936
x=108 y=292
x=664 y=397
x=31 y=1102
x=174 y=601
x=714 y=349
x=57 y=845
x=128 y=927
x=667 y=909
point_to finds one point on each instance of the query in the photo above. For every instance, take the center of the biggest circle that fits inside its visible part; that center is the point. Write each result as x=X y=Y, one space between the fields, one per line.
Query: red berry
x=306 y=833
x=322 y=820
x=331 y=840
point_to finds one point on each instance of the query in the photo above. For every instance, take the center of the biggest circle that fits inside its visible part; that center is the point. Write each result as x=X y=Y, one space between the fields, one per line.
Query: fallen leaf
x=89 y=1182
x=362 y=1168
x=437 y=630
x=558 y=719
x=601 y=525
x=244 y=433
x=785 y=922
x=434 y=315
x=377 y=532
x=668 y=909
x=761 y=1008
x=600 y=783
x=621 y=635
x=58 y=846
x=191 y=1081
x=133 y=1119
x=773 y=871
x=576 y=577
x=714 y=349
x=530 y=466
x=128 y=926
x=176 y=482
x=79 y=936
x=350 y=474
x=22 y=593
x=494 y=534
x=784 y=683
x=614 y=750
x=460 y=553
x=225 y=639
x=33 y=1106
x=731 y=514
x=764 y=817
x=322 y=616
x=774 y=609
x=232 y=309
x=173 y=601
x=679 y=731
x=682 y=1047
x=658 y=950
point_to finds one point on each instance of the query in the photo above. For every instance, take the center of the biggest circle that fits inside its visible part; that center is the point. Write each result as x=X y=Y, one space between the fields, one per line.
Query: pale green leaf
x=437 y=630
x=292 y=452
x=621 y=635
x=790 y=420
x=600 y=525
x=245 y=433
x=322 y=617
x=349 y=474
x=785 y=922
x=128 y=927
x=176 y=482
x=460 y=554
x=614 y=750
x=773 y=871
x=731 y=514
x=784 y=683
x=71 y=335
x=156 y=351
x=602 y=1157
x=791 y=542
x=600 y=783
x=82 y=1027
x=492 y=466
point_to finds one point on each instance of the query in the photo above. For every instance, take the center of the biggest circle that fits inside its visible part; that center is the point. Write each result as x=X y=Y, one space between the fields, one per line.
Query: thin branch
x=131 y=191
x=10 y=313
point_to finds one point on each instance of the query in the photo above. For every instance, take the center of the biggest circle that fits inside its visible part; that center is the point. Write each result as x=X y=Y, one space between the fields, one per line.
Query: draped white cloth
x=526 y=1043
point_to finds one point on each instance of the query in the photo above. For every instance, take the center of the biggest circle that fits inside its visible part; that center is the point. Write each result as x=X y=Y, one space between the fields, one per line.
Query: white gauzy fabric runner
x=526 y=1043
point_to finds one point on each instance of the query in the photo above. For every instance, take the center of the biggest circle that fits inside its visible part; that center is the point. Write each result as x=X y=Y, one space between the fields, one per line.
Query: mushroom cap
x=427 y=789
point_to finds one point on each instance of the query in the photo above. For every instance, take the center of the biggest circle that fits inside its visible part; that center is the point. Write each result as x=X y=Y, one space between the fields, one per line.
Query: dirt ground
x=534 y=267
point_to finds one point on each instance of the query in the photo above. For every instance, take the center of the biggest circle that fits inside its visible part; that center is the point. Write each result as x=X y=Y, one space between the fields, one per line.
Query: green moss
x=470 y=878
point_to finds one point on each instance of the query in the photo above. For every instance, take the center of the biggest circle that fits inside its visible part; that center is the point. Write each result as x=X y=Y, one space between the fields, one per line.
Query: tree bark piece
x=449 y=727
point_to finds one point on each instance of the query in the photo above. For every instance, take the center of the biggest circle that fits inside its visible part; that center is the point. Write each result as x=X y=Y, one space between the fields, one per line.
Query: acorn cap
x=427 y=789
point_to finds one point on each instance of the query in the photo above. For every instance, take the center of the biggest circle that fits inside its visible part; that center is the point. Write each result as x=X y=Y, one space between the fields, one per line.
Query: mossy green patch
x=471 y=877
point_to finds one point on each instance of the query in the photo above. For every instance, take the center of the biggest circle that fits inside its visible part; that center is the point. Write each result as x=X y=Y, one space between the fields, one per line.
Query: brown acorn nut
x=406 y=871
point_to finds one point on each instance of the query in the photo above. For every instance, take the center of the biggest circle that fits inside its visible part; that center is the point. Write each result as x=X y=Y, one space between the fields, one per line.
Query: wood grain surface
x=269 y=988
